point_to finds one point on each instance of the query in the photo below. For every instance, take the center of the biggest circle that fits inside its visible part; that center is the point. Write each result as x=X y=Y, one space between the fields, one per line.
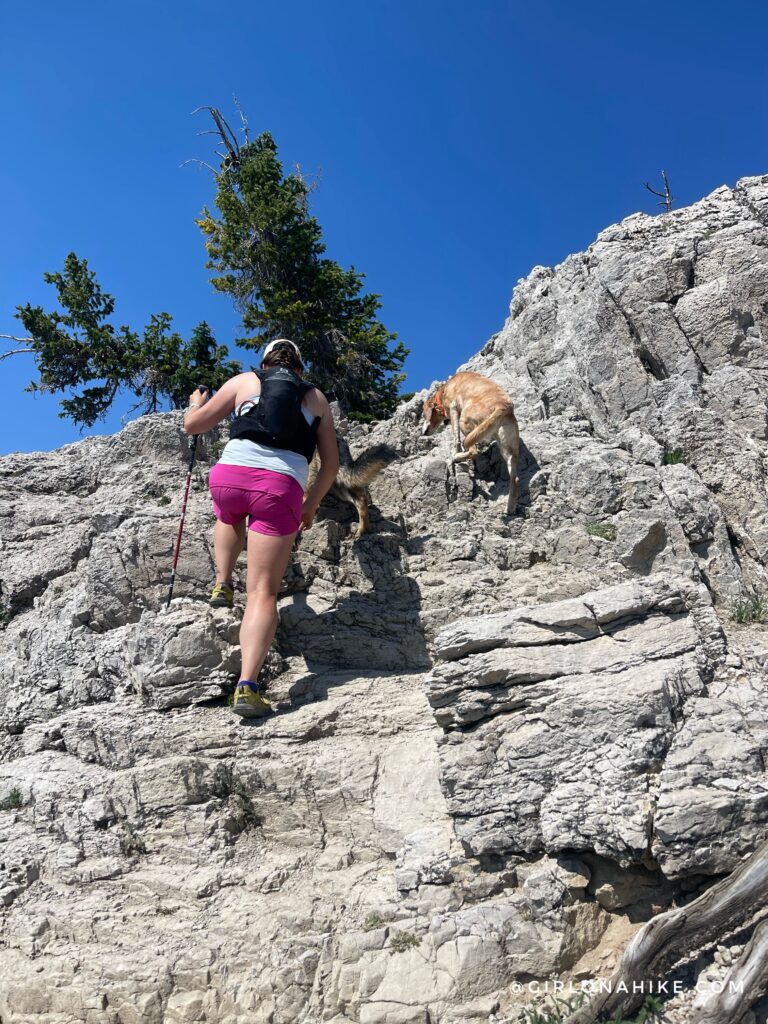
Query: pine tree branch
x=13 y=337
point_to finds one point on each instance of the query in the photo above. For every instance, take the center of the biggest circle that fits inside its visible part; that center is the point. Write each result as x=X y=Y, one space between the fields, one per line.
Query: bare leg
x=267 y=561
x=228 y=542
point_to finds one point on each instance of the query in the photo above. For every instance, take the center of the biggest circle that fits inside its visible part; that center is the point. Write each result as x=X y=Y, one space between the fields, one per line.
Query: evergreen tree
x=267 y=252
x=80 y=348
x=202 y=361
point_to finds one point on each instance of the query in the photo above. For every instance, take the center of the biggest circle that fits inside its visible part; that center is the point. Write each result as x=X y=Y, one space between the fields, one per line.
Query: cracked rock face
x=501 y=744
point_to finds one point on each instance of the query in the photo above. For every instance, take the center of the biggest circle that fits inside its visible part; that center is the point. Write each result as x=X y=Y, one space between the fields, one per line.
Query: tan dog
x=479 y=410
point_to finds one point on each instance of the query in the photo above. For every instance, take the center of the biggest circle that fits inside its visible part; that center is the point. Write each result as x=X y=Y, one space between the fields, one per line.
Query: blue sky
x=457 y=146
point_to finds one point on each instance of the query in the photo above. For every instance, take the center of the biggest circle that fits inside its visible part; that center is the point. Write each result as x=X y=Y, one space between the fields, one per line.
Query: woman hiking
x=279 y=421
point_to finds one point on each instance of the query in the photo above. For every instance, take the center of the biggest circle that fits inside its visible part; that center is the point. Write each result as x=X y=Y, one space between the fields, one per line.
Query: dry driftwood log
x=671 y=936
x=745 y=983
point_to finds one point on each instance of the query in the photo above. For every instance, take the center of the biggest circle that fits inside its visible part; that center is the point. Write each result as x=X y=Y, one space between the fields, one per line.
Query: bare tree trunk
x=745 y=983
x=669 y=937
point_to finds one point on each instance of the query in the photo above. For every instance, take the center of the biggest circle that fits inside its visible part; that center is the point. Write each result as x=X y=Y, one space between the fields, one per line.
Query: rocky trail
x=502 y=746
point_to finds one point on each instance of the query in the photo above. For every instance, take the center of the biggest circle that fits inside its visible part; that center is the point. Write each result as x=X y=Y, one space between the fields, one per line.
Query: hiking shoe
x=222 y=596
x=249 y=701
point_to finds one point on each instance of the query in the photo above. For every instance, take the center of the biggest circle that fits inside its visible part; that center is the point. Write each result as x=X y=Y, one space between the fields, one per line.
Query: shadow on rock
x=351 y=604
x=491 y=477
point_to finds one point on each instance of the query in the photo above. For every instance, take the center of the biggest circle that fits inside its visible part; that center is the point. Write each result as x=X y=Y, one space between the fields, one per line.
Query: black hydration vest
x=276 y=420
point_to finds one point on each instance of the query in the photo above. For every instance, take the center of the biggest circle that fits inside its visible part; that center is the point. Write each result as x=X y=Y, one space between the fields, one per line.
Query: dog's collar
x=438 y=404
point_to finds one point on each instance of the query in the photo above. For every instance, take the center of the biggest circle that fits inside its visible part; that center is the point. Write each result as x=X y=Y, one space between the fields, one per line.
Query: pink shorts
x=271 y=501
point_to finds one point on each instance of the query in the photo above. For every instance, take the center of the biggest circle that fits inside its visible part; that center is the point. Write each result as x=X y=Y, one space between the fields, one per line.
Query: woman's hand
x=212 y=409
x=308 y=513
x=199 y=397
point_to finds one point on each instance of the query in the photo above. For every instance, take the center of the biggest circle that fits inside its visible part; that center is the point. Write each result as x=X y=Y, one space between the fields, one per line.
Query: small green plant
x=605 y=530
x=361 y=417
x=247 y=815
x=648 y=1012
x=749 y=609
x=403 y=941
x=374 y=920
x=13 y=801
x=130 y=841
x=557 y=1013
x=674 y=457
x=542 y=1016
x=164 y=500
x=562 y=1008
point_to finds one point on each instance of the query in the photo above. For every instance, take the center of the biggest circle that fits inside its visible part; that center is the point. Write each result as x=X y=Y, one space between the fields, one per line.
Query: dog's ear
x=431 y=419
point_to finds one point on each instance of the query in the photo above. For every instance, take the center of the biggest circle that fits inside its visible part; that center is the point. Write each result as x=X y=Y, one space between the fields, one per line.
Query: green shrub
x=403 y=941
x=605 y=530
x=374 y=920
x=164 y=500
x=130 y=841
x=247 y=815
x=13 y=801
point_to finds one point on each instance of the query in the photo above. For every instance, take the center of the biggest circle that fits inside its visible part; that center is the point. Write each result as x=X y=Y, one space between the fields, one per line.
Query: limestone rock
x=499 y=742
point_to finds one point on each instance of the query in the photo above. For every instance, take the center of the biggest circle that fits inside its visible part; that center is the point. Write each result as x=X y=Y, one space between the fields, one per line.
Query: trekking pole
x=192 y=452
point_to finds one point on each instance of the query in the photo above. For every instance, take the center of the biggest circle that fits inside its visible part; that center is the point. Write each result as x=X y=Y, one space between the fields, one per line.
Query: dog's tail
x=487 y=425
x=367 y=466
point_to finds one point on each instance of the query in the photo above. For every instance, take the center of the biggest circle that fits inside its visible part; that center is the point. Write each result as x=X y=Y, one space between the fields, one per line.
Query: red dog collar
x=438 y=404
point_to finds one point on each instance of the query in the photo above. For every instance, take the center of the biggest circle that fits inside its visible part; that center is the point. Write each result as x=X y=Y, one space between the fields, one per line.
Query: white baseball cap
x=282 y=341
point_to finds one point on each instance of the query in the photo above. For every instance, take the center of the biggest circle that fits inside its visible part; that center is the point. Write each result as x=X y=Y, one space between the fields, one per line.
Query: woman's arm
x=328 y=451
x=197 y=421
